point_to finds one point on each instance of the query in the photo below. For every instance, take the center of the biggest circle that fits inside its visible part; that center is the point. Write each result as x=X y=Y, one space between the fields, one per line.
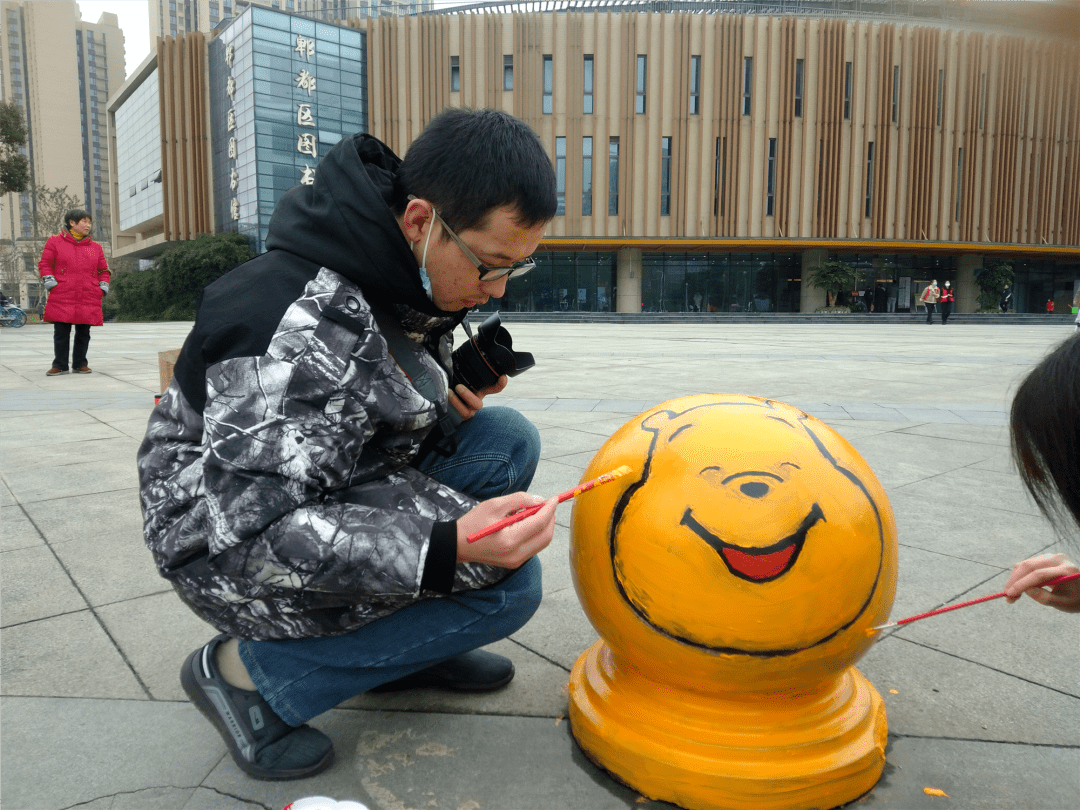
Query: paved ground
x=983 y=703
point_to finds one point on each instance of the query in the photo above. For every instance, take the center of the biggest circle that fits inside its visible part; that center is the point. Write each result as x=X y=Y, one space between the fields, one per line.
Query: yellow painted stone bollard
x=732 y=577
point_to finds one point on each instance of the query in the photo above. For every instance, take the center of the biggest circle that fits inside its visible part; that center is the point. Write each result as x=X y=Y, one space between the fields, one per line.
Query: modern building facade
x=60 y=71
x=708 y=160
x=239 y=120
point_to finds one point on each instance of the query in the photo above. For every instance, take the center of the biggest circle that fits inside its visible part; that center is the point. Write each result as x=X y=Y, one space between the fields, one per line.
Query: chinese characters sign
x=234 y=175
x=237 y=109
x=306 y=142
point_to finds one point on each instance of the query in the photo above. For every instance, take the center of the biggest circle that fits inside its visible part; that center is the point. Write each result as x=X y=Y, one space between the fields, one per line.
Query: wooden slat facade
x=983 y=148
x=184 y=107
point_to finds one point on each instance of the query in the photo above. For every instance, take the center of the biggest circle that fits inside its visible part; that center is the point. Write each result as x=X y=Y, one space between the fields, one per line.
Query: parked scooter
x=10 y=315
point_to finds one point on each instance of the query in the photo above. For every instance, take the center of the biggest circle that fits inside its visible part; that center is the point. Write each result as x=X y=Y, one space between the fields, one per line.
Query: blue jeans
x=498 y=450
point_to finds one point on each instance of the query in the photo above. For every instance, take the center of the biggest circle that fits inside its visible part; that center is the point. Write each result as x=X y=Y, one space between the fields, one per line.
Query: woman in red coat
x=77 y=278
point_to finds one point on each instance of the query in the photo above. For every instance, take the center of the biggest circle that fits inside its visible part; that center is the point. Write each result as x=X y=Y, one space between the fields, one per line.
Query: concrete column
x=629 y=270
x=811 y=297
x=967 y=291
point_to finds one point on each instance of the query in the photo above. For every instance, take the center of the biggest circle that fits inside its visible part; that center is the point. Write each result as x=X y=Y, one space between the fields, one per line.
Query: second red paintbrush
x=929 y=613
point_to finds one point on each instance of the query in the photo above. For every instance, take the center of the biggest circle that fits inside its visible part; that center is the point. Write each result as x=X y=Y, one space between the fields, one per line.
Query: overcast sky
x=135 y=23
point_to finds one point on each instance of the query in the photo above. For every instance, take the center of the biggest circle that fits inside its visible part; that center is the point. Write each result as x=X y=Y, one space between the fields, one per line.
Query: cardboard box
x=166 y=361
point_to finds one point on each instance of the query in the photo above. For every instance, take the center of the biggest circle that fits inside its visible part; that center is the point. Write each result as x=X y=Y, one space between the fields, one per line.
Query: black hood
x=344 y=221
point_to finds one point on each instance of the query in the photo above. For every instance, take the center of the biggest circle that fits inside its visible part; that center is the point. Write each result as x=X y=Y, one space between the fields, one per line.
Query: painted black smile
x=758 y=564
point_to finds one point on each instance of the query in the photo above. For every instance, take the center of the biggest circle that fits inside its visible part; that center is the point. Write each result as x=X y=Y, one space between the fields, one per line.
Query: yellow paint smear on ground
x=935 y=792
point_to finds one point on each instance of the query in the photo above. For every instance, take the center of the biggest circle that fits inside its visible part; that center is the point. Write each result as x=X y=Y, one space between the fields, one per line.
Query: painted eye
x=755 y=489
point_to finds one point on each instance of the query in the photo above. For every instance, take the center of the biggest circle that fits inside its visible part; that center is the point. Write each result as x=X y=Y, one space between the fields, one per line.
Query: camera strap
x=441 y=439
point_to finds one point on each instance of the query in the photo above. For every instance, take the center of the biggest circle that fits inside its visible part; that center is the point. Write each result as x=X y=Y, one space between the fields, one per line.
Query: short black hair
x=468 y=162
x=76 y=215
x=1045 y=422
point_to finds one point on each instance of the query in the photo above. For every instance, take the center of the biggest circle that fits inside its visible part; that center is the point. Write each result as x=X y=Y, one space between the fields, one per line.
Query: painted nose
x=755 y=489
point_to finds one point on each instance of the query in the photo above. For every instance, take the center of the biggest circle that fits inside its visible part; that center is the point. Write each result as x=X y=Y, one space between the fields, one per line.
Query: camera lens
x=479 y=363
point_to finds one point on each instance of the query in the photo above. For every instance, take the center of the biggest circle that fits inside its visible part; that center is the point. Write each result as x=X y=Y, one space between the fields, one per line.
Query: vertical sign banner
x=234 y=175
x=306 y=142
x=903 y=298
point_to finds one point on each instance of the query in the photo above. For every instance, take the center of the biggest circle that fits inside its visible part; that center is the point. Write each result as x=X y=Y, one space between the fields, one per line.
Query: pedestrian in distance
x=1005 y=299
x=311 y=477
x=929 y=298
x=1049 y=306
x=946 y=302
x=1045 y=431
x=76 y=277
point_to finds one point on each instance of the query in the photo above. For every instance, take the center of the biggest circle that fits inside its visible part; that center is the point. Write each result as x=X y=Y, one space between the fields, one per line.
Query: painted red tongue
x=759 y=566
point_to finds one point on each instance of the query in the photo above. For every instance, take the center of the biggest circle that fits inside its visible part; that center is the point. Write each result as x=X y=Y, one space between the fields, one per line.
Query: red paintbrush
x=532 y=510
x=911 y=619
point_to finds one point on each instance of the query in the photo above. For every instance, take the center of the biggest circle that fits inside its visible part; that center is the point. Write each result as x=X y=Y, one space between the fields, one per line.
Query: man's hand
x=1030 y=575
x=468 y=403
x=516 y=544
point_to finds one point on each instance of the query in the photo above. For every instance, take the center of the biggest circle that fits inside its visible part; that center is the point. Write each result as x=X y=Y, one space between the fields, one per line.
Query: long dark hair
x=1045 y=422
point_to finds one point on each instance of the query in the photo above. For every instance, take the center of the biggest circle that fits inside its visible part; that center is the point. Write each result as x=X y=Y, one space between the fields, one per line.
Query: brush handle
x=509 y=520
x=910 y=619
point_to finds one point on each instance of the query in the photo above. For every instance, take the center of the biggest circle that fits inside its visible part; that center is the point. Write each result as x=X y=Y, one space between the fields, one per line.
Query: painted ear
x=656 y=422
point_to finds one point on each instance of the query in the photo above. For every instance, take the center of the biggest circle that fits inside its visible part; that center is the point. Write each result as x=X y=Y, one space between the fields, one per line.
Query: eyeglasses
x=486 y=273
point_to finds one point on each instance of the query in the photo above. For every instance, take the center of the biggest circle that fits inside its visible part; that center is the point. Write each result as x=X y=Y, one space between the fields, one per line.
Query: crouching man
x=309 y=479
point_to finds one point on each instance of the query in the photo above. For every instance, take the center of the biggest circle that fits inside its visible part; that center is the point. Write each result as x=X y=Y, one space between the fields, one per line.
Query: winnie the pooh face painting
x=745 y=533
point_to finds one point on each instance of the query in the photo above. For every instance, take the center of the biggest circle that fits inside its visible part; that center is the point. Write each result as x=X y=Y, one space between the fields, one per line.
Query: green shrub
x=170 y=290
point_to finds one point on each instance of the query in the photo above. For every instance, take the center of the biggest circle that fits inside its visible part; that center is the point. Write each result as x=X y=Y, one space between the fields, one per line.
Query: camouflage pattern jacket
x=277 y=492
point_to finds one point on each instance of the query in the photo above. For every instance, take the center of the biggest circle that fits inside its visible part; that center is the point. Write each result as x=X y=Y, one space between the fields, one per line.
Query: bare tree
x=47 y=218
x=14 y=178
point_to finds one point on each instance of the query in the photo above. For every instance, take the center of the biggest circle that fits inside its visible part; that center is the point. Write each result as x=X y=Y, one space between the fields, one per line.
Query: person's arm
x=47 y=264
x=285 y=434
x=103 y=274
x=1030 y=575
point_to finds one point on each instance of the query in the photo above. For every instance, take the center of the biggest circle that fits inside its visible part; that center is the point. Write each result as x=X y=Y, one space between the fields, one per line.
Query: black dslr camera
x=488 y=355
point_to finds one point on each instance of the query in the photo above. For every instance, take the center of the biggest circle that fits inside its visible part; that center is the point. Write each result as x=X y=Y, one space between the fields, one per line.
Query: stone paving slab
x=986 y=704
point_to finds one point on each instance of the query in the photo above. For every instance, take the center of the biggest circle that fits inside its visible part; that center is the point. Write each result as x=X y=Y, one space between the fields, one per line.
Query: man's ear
x=416 y=220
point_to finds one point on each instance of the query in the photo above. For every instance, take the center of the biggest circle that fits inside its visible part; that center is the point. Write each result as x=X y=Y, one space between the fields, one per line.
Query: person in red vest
x=946 y=302
x=76 y=277
x=1049 y=306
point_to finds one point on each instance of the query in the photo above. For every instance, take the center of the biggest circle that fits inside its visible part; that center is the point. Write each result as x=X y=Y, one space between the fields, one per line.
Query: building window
x=940 y=94
x=847 y=91
x=587 y=78
x=747 y=84
x=895 y=93
x=959 y=180
x=642 y=76
x=798 y=87
x=455 y=74
x=770 y=185
x=549 y=83
x=695 y=85
x=586 y=177
x=869 y=178
x=560 y=176
x=508 y=72
x=665 y=176
x=613 y=177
